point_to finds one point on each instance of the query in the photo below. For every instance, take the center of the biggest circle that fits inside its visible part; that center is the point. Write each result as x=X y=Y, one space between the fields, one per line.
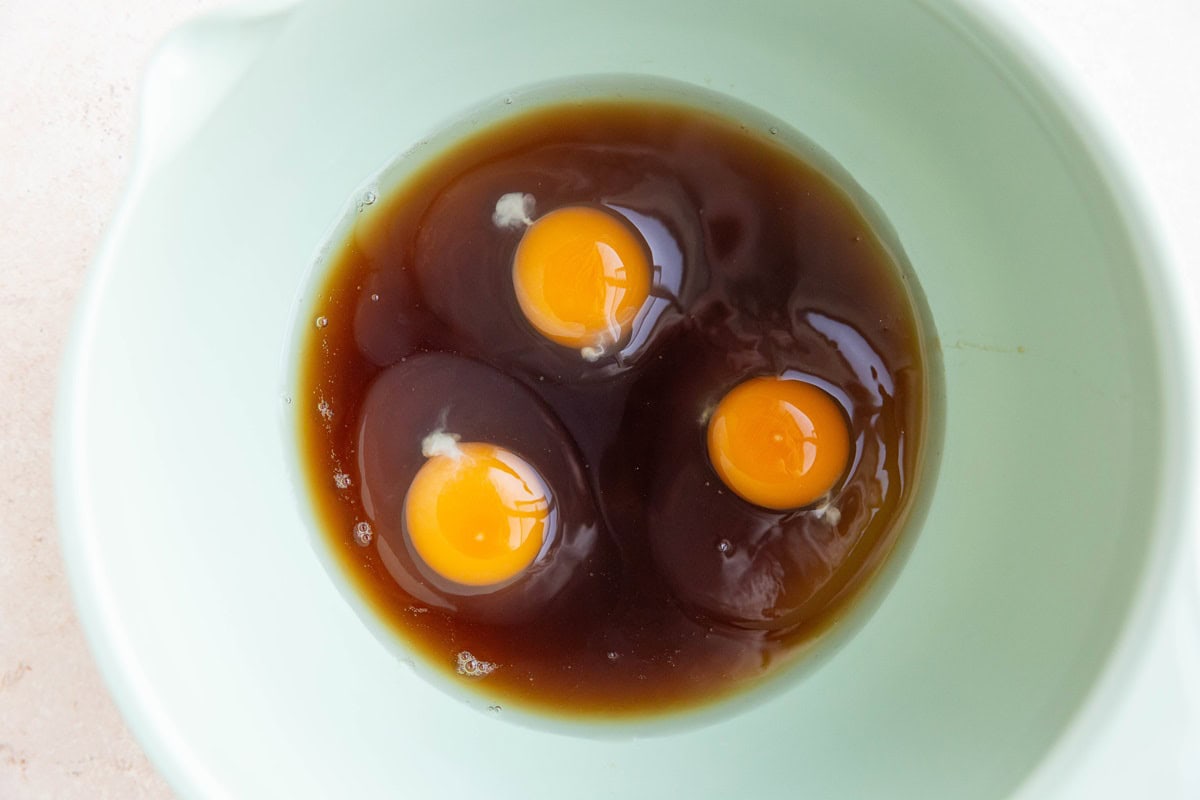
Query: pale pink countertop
x=69 y=72
x=69 y=75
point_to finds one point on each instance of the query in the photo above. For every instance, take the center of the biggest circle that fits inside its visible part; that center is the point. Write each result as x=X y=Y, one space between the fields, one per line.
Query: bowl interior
x=206 y=593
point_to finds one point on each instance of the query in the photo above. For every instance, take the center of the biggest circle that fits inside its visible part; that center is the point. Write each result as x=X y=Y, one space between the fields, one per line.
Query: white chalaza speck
x=605 y=342
x=513 y=210
x=828 y=512
x=440 y=443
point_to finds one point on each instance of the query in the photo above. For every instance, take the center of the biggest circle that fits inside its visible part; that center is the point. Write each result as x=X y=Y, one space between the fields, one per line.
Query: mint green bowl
x=1046 y=546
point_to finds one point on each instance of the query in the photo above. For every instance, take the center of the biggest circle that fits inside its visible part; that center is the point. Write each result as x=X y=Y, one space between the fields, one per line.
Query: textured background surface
x=69 y=72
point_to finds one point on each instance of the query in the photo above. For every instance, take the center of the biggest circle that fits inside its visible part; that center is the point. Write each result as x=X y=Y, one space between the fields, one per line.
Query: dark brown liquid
x=660 y=588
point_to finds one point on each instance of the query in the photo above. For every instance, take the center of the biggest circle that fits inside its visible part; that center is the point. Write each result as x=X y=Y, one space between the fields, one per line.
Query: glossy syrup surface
x=658 y=588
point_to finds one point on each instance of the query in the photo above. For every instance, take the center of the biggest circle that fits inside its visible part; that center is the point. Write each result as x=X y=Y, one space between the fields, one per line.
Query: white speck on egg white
x=513 y=210
x=440 y=443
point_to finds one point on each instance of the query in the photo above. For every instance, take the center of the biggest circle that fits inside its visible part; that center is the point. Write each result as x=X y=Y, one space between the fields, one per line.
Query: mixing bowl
x=1068 y=371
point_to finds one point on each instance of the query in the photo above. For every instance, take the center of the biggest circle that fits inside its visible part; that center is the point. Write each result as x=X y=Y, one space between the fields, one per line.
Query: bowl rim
x=1001 y=33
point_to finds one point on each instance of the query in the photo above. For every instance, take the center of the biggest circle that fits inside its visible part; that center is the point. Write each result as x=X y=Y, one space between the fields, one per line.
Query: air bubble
x=368 y=198
x=322 y=322
x=773 y=130
x=287 y=399
x=374 y=298
x=363 y=534
x=495 y=709
x=725 y=546
x=508 y=101
x=341 y=480
x=324 y=409
x=613 y=655
x=473 y=667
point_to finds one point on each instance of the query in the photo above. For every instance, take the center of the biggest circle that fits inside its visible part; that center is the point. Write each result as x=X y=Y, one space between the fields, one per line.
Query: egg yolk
x=581 y=275
x=778 y=443
x=478 y=515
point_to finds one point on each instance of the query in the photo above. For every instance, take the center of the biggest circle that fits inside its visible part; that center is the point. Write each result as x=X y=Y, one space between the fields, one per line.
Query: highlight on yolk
x=778 y=443
x=477 y=514
x=581 y=275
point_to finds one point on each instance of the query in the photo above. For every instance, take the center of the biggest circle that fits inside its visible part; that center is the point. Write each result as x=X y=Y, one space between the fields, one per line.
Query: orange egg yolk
x=581 y=275
x=778 y=443
x=477 y=515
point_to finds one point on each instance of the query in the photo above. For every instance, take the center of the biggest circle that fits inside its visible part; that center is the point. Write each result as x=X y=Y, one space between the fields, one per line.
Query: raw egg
x=581 y=276
x=539 y=275
x=475 y=513
x=476 y=493
x=778 y=443
x=722 y=486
